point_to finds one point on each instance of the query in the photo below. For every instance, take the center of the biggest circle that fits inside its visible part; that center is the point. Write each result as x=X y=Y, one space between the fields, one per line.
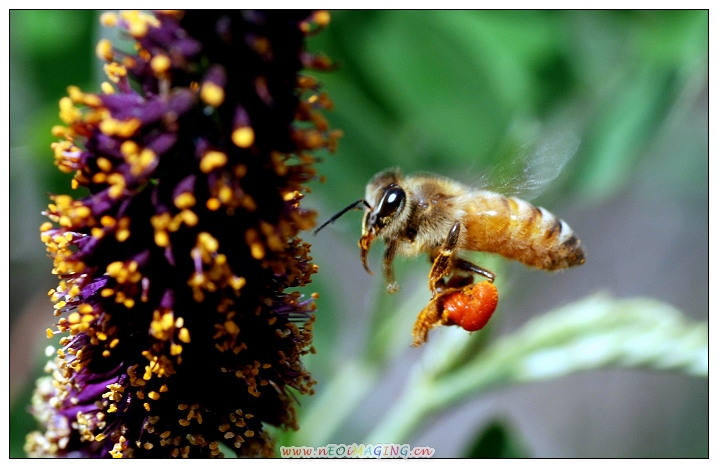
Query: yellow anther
x=108 y=19
x=114 y=268
x=322 y=17
x=213 y=204
x=212 y=94
x=104 y=164
x=189 y=217
x=83 y=211
x=160 y=64
x=212 y=160
x=231 y=327
x=185 y=200
x=129 y=148
x=107 y=88
x=208 y=242
x=225 y=194
x=257 y=250
x=162 y=239
x=243 y=137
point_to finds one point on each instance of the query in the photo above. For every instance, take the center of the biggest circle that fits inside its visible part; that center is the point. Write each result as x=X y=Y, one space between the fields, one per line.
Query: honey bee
x=426 y=213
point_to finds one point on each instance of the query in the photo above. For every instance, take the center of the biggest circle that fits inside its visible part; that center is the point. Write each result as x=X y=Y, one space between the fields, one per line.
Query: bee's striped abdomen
x=518 y=230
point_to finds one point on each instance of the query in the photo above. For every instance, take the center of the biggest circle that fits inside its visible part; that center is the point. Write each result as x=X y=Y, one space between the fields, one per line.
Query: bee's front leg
x=442 y=261
x=389 y=254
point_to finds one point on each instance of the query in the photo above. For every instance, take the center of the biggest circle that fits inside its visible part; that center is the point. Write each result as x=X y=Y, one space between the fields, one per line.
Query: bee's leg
x=442 y=261
x=462 y=264
x=389 y=254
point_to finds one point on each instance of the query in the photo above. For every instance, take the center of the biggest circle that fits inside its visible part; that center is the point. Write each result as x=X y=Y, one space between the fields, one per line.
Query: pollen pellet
x=472 y=307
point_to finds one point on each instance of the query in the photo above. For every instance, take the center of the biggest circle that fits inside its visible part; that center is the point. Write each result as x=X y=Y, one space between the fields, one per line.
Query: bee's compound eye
x=392 y=200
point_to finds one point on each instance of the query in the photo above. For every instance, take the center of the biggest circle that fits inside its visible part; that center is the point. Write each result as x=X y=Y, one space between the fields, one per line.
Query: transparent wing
x=534 y=166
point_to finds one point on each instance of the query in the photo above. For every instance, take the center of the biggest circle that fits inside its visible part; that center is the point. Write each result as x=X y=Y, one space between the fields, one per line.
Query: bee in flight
x=430 y=214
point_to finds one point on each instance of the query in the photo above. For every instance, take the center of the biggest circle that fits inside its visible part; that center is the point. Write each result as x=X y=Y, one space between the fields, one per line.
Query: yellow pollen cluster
x=121 y=128
x=216 y=273
x=138 y=22
x=165 y=327
x=165 y=223
x=115 y=72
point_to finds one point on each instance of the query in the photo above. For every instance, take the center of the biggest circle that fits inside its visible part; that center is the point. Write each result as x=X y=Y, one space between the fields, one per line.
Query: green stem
x=332 y=407
x=403 y=418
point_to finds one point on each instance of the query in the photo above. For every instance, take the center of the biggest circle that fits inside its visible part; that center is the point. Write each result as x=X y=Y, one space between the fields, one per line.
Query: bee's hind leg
x=442 y=260
x=462 y=264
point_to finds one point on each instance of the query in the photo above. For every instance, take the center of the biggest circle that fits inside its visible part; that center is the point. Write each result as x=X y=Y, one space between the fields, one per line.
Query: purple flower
x=181 y=334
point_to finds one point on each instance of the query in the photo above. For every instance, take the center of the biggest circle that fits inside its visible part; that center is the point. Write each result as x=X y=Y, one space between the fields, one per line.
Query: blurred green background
x=454 y=92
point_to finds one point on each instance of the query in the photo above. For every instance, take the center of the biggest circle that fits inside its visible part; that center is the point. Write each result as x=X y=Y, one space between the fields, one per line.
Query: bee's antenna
x=353 y=206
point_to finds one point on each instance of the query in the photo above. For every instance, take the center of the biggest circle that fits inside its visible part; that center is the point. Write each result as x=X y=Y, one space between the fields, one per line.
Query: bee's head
x=387 y=200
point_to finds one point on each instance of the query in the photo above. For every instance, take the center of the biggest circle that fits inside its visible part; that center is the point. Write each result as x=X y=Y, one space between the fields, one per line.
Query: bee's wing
x=535 y=165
